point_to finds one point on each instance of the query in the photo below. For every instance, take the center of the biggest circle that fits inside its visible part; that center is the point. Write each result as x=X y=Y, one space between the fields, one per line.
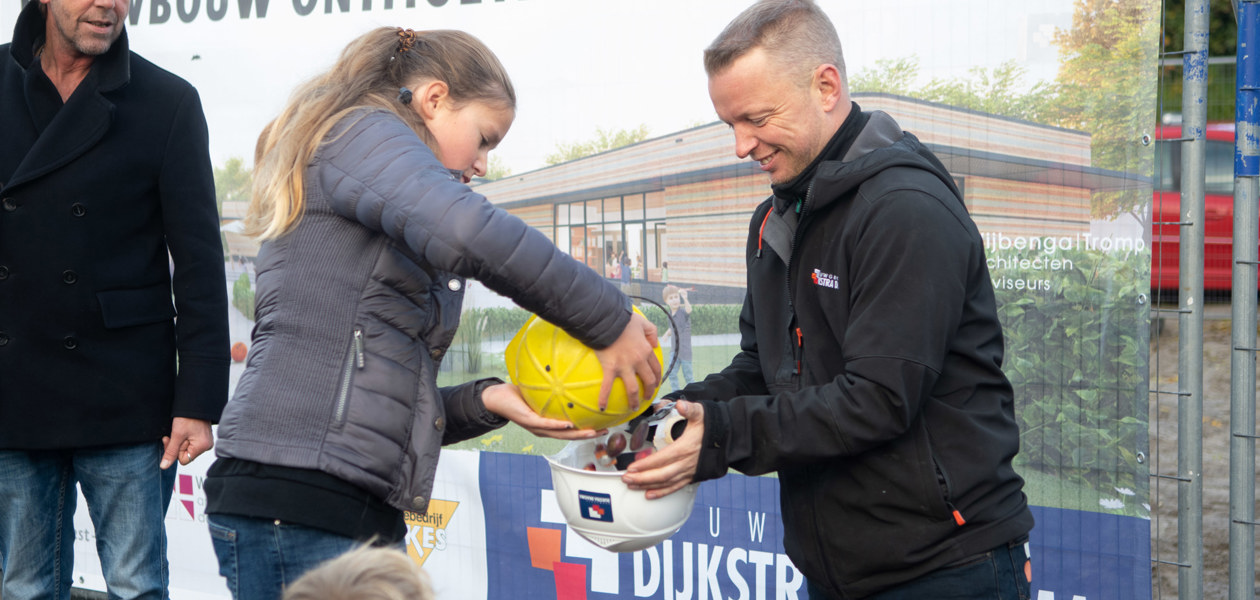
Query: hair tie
x=404 y=95
x=406 y=39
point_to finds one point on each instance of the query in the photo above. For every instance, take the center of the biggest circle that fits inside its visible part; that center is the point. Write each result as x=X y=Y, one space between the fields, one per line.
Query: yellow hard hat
x=560 y=377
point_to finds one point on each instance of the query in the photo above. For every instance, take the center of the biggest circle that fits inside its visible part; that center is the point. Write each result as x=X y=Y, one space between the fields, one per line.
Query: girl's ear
x=430 y=97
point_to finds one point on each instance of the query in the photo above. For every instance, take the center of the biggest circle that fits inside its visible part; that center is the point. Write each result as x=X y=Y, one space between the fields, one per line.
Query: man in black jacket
x=107 y=213
x=869 y=376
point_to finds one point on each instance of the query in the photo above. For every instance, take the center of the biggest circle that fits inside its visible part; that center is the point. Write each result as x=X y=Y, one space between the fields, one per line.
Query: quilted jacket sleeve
x=376 y=171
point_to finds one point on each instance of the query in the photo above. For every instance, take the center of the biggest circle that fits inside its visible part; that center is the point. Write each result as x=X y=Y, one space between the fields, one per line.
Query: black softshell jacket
x=870 y=374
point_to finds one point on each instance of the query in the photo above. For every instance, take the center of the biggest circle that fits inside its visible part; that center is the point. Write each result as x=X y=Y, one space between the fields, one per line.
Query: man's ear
x=431 y=96
x=828 y=86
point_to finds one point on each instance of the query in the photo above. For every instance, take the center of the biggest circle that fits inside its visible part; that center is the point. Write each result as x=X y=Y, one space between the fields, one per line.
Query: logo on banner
x=426 y=532
x=595 y=506
x=722 y=552
x=188 y=496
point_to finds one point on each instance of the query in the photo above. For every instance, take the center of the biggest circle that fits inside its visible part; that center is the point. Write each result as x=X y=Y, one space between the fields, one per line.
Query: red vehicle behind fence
x=1218 y=233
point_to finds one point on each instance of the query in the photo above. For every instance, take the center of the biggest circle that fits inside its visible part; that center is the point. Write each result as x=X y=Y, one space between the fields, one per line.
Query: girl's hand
x=505 y=400
x=632 y=354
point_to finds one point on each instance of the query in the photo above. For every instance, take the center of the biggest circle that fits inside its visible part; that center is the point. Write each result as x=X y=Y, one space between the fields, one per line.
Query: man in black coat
x=869 y=377
x=108 y=229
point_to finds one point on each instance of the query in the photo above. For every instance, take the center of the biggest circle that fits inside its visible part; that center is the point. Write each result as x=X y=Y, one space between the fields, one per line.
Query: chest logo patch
x=825 y=279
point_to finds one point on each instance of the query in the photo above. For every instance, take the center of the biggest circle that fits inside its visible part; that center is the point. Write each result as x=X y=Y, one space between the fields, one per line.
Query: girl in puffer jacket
x=369 y=232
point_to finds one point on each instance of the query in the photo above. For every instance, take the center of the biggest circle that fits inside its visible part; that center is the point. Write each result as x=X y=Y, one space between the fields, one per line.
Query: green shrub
x=706 y=319
x=1076 y=355
x=243 y=296
x=501 y=323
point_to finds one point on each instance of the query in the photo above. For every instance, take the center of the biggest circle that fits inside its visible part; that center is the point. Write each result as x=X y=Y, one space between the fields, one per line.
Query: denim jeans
x=681 y=375
x=126 y=494
x=259 y=557
x=994 y=575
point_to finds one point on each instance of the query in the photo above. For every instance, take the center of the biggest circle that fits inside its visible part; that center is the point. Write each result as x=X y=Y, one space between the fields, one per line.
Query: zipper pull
x=800 y=344
x=958 y=518
x=358 y=347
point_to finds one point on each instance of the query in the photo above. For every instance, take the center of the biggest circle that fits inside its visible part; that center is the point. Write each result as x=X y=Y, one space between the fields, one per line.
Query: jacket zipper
x=943 y=482
x=798 y=350
x=353 y=361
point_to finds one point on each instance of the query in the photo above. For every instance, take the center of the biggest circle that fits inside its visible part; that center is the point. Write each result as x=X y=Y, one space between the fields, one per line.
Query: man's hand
x=665 y=472
x=189 y=439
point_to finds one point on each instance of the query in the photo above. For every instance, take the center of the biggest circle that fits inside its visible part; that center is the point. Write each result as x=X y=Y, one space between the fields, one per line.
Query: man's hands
x=632 y=354
x=189 y=439
x=669 y=470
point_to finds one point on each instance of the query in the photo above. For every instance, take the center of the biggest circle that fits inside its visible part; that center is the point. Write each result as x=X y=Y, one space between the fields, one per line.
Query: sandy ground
x=1216 y=441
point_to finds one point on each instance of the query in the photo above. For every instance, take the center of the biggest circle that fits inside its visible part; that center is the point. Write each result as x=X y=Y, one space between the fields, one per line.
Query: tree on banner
x=994 y=91
x=1107 y=88
x=1102 y=88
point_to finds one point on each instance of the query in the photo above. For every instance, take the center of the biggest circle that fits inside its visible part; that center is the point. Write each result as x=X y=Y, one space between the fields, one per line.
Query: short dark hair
x=796 y=34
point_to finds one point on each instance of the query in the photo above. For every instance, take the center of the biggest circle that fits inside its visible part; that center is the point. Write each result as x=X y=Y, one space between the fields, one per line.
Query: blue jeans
x=127 y=495
x=994 y=575
x=259 y=557
x=681 y=375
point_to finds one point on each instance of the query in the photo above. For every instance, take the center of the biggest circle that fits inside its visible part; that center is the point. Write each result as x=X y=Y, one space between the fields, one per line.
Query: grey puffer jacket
x=357 y=305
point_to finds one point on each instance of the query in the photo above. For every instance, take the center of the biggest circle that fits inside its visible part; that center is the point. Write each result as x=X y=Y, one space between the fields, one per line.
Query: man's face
x=84 y=27
x=778 y=122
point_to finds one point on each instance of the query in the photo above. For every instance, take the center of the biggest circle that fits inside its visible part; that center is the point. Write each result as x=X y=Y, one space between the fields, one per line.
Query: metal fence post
x=1242 y=412
x=1190 y=298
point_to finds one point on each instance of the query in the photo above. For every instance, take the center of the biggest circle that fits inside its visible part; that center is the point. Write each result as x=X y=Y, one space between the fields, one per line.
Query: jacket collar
x=778 y=227
x=858 y=151
x=794 y=191
x=112 y=69
x=85 y=117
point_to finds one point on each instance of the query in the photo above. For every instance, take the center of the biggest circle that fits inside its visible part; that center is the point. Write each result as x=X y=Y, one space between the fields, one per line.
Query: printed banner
x=730 y=547
x=1039 y=109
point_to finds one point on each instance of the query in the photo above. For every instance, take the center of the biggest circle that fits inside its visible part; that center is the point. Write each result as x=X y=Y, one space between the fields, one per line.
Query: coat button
x=77 y=209
x=70 y=343
x=10 y=204
x=4 y=339
x=454 y=285
x=439 y=423
x=69 y=277
x=419 y=503
x=4 y=272
x=437 y=353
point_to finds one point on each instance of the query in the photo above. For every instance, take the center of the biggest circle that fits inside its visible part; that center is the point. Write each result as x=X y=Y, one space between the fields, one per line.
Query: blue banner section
x=731 y=547
x=1090 y=555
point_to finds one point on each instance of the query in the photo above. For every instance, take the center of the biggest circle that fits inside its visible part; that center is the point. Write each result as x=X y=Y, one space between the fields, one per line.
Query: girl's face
x=466 y=135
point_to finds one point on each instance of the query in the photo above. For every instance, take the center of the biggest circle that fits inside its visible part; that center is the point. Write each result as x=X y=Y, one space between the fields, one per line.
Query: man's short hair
x=796 y=34
x=365 y=573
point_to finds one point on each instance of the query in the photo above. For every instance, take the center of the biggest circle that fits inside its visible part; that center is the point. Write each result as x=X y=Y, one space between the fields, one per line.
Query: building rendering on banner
x=676 y=208
x=678 y=205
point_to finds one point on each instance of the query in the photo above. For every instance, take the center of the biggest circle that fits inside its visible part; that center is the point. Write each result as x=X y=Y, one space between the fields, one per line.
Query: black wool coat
x=108 y=229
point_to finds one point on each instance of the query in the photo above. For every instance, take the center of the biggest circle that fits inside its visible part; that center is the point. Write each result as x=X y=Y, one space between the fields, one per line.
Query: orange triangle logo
x=426 y=532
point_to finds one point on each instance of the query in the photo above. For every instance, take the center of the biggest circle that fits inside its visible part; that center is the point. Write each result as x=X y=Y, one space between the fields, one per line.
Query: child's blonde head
x=365 y=573
x=369 y=72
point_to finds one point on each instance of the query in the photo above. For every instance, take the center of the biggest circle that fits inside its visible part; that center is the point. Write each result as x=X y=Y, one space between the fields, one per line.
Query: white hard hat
x=601 y=509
